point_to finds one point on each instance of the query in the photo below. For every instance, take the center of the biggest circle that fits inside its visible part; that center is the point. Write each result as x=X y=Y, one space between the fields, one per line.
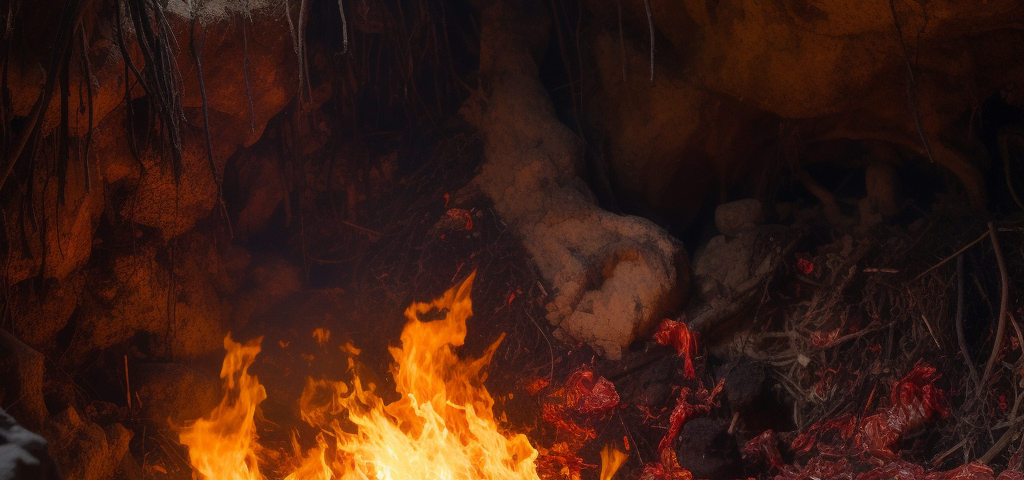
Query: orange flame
x=223 y=445
x=442 y=428
x=611 y=460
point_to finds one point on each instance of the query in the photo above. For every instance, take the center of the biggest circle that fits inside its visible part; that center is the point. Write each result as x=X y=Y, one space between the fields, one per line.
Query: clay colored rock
x=42 y=309
x=135 y=298
x=89 y=451
x=613 y=276
x=730 y=272
x=171 y=394
x=731 y=218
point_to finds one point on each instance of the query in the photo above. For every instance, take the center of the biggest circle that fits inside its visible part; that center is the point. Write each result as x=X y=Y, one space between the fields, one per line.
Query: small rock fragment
x=731 y=218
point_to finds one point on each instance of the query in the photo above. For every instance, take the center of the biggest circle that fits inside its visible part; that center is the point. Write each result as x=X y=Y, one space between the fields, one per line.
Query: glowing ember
x=443 y=427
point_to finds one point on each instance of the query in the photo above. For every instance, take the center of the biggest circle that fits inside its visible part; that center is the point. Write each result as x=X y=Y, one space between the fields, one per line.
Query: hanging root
x=71 y=16
x=298 y=46
x=911 y=85
x=650 y=26
x=87 y=73
x=159 y=76
x=245 y=74
x=206 y=124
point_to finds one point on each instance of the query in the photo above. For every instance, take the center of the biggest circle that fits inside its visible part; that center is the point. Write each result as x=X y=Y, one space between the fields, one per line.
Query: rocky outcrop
x=740 y=85
x=87 y=451
x=145 y=190
x=173 y=294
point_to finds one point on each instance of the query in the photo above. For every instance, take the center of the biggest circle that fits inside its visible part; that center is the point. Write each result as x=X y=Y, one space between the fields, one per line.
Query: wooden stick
x=961 y=340
x=958 y=252
x=1003 y=304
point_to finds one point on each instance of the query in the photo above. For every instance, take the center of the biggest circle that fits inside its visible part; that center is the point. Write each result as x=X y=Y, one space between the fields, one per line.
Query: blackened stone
x=745 y=381
x=708 y=451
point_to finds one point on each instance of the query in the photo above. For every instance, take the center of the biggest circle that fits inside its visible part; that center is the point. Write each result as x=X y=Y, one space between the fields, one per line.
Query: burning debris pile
x=840 y=370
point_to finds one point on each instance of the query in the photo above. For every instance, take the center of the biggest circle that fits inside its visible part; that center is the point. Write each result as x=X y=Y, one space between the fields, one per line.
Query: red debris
x=678 y=336
x=561 y=461
x=903 y=470
x=804 y=264
x=764 y=449
x=819 y=468
x=838 y=430
x=915 y=401
x=462 y=217
x=899 y=470
x=589 y=396
x=970 y=471
x=555 y=415
x=666 y=469
x=1011 y=474
x=684 y=409
x=536 y=385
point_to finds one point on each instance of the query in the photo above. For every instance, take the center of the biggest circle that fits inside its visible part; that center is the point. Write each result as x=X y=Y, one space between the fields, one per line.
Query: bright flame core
x=442 y=428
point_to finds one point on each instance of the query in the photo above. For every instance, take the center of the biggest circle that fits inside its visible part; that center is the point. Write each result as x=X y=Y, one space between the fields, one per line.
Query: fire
x=611 y=460
x=223 y=445
x=442 y=428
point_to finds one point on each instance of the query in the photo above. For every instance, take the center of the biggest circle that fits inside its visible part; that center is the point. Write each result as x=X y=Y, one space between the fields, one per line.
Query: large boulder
x=169 y=293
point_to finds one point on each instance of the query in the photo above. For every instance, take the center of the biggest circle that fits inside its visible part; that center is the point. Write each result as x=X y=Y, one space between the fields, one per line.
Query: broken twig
x=957 y=254
x=1004 y=281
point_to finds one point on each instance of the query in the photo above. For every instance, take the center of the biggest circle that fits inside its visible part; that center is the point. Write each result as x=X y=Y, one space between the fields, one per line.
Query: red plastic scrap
x=915 y=401
x=970 y=471
x=833 y=432
x=560 y=461
x=666 y=469
x=678 y=336
x=903 y=470
x=819 y=468
x=684 y=409
x=555 y=415
x=764 y=449
x=898 y=470
x=1011 y=474
x=589 y=396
